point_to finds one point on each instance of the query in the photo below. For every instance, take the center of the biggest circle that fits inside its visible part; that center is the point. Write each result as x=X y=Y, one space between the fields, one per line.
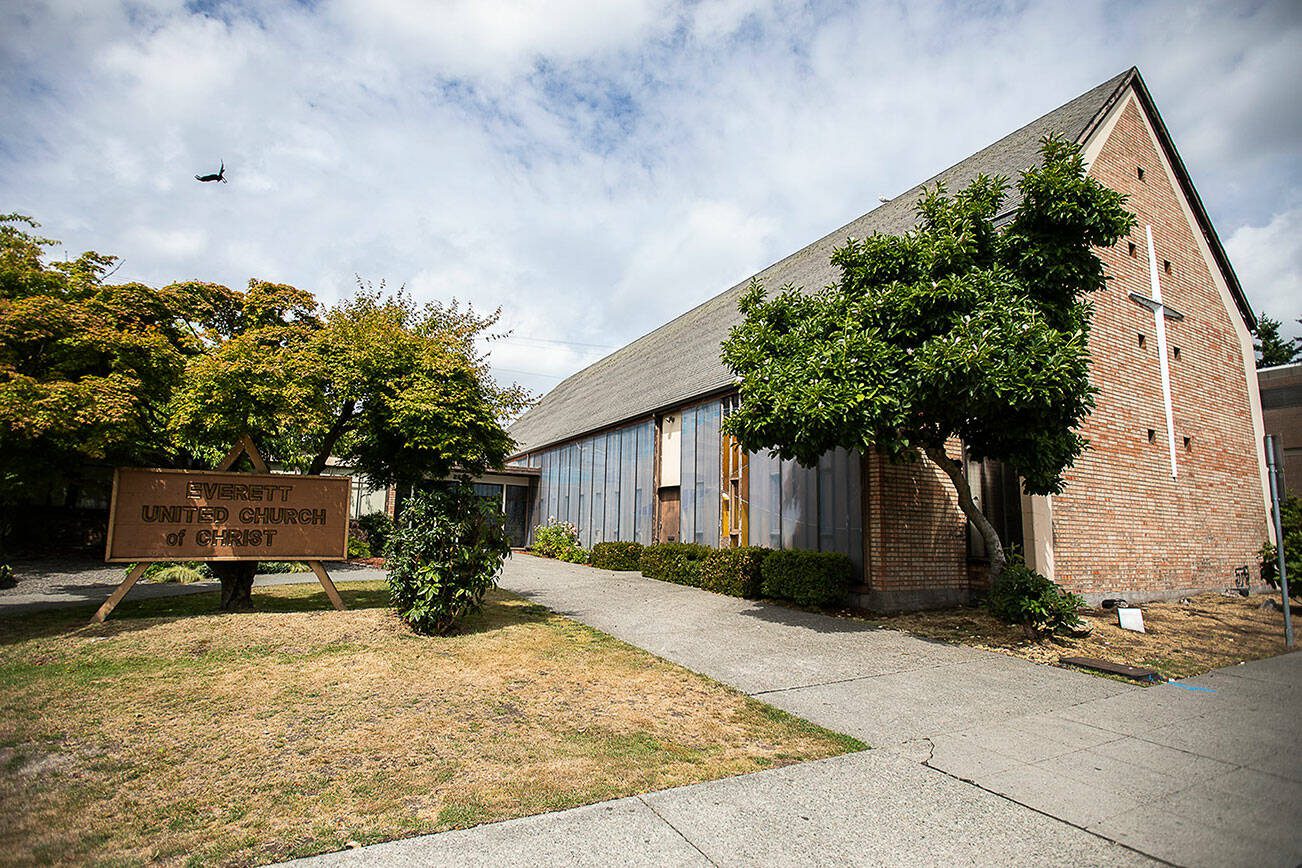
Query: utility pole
x=1274 y=463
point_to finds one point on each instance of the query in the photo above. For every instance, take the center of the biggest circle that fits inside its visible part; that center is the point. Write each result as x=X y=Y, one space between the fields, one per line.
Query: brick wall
x=915 y=537
x=1123 y=524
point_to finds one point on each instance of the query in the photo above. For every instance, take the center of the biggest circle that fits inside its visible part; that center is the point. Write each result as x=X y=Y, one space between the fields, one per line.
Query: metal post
x=1273 y=463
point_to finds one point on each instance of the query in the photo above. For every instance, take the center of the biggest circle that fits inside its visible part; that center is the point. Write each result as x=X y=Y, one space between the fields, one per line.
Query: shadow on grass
x=132 y=614
x=501 y=609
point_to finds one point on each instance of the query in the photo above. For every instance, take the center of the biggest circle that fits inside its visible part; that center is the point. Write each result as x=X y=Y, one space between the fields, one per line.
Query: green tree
x=955 y=329
x=87 y=368
x=1272 y=347
x=395 y=389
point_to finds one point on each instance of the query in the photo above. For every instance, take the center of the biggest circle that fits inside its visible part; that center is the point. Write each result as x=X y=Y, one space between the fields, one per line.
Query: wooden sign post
x=202 y=515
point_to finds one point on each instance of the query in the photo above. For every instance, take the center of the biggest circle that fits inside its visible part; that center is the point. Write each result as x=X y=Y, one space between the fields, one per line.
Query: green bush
x=674 y=562
x=621 y=556
x=734 y=571
x=1022 y=596
x=276 y=567
x=175 y=574
x=358 y=548
x=575 y=555
x=7 y=579
x=1290 y=514
x=560 y=540
x=378 y=527
x=178 y=572
x=806 y=578
x=444 y=556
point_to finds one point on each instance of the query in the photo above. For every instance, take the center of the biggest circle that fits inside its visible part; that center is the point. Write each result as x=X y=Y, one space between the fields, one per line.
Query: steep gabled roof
x=680 y=360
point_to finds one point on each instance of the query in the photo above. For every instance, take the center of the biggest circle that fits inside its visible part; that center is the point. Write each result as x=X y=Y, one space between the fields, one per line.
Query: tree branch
x=336 y=431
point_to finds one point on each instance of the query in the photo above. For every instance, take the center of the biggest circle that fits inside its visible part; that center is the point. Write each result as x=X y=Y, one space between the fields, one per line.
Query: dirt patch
x=1182 y=639
x=170 y=733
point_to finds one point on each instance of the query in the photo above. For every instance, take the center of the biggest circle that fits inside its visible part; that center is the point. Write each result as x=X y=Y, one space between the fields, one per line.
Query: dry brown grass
x=250 y=738
x=1182 y=639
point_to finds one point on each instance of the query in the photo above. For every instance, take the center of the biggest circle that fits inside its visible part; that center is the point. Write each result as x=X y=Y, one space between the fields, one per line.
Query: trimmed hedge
x=623 y=556
x=734 y=571
x=674 y=562
x=806 y=578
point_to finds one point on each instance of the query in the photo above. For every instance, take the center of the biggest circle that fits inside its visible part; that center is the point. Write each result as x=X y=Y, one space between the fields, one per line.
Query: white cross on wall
x=1161 y=313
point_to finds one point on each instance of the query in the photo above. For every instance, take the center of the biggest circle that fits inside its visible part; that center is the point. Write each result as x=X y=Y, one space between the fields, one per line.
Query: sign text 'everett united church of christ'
x=192 y=515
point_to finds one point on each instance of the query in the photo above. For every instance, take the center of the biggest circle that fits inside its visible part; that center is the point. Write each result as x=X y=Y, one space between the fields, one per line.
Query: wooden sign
x=193 y=515
x=200 y=515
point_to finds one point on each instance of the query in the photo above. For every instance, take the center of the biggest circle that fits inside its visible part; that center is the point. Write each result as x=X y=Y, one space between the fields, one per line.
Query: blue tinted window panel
x=707 y=474
x=687 y=477
x=645 y=481
x=598 y=509
x=612 y=530
x=799 y=505
x=628 y=483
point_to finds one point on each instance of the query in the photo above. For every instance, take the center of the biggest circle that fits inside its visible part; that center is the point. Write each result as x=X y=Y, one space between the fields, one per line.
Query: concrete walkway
x=978 y=758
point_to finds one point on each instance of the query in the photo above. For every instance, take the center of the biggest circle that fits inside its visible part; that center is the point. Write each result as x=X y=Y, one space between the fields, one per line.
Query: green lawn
x=172 y=733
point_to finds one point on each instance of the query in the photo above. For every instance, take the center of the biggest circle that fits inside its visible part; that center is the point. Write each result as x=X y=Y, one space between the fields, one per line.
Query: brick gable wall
x=1123 y=525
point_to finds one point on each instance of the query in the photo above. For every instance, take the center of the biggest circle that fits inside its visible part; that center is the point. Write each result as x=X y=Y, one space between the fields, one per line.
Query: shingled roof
x=680 y=360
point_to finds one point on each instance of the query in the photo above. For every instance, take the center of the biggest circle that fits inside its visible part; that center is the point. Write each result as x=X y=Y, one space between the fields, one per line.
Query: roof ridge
x=597 y=396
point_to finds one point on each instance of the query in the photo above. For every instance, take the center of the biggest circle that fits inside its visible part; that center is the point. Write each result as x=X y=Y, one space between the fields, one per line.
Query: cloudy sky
x=593 y=168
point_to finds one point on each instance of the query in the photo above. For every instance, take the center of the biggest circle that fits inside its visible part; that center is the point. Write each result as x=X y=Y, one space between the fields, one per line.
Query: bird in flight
x=220 y=176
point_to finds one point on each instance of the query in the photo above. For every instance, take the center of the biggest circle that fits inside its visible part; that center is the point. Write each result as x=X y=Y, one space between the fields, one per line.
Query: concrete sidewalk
x=979 y=758
x=870 y=808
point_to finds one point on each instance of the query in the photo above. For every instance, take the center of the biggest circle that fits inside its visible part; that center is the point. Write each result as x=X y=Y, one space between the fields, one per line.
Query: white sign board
x=1130 y=618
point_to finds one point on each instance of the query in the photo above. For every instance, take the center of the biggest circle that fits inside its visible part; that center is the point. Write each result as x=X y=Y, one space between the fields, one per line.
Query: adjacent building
x=630 y=448
x=1281 y=407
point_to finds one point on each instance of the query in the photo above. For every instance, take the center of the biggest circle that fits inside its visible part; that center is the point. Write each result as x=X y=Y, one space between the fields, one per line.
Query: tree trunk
x=237 y=584
x=995 y=548
x=332 y=438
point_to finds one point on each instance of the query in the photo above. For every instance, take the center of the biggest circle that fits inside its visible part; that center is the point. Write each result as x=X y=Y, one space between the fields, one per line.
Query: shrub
x=7 y=579
x=622 y=556
x=1290 y=514
x=673 y=562
x=1022 y=596
x=177 y=572
x=734 y=571
x=806 y=578
x=358 y=548
x=560 y=540
x=276 y=567
x=378 y=527
x=574 y=555
x=444 y=556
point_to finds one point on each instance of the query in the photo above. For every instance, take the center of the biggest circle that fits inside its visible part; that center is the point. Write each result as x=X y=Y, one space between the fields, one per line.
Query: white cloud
x=1268 y=261
x=592 y=168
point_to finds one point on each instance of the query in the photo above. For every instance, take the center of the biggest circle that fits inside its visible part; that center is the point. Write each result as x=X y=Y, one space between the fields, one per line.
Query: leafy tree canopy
x=128 y=374
x=1272 y=347
x=394 y=388
x=87 y=368
x=956 y=329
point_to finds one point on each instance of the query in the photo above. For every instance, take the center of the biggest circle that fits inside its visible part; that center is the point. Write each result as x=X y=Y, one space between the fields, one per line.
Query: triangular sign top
x=243 y=446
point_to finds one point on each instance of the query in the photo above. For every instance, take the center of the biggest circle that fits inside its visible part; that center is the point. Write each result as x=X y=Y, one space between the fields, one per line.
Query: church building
x=1170 y=497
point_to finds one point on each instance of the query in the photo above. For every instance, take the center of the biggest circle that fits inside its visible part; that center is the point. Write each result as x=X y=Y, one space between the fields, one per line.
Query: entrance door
x=668 y=519
x=517 y=514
